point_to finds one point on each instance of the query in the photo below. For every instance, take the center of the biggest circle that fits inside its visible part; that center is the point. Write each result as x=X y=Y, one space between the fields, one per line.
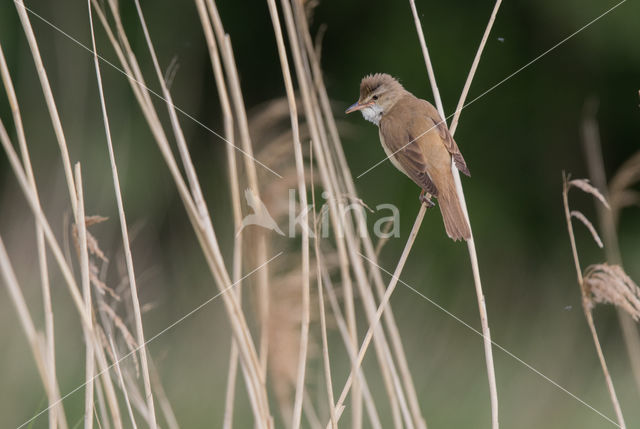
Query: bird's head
x=378 y=93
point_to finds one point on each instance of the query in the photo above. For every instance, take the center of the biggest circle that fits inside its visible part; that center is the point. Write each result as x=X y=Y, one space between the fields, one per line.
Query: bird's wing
x=446 y=137
x=404 y=147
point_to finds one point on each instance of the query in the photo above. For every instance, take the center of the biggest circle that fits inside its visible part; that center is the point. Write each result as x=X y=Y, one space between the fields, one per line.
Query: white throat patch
x=372 y=113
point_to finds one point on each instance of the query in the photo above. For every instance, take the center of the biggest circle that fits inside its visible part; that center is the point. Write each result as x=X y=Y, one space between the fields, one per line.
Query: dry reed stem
x=343 y=229
x=342 y=327
x=261 y=245
x=383 y=302
x=612 y=392
x=316 y=78
x=346 y=180
x=586 y=306
x=235 y=198
x=486 y=334
x=163 y=401
x=41 y=249
x=595 y=163
x=50 y=101
x=261 y=250
x=83 y=256
x=224 y=42
x=101 y=406
x=474 y=66
x=34 y=204
x=123 y=387
x=202 y=226
x=34 y=338
x=302 y=191
x=326 y=361
x=125 y=237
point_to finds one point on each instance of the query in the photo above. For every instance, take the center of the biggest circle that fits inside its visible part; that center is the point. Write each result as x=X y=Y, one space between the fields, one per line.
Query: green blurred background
x=517 y=139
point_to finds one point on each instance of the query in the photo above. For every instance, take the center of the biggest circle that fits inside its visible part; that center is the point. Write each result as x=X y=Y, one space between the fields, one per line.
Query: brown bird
x=418 y=143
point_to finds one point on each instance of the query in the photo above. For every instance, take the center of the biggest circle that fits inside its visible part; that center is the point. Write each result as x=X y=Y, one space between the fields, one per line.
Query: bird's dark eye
x=375 y=97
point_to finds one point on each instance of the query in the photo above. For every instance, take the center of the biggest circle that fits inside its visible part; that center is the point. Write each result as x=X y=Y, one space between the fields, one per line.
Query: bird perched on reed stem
x=418 y=143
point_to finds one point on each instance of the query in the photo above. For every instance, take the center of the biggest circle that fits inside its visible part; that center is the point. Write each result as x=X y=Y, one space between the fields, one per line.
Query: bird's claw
x=426 y=199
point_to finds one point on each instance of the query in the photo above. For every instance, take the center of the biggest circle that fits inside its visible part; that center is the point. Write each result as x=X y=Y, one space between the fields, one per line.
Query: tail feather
x=455 y=221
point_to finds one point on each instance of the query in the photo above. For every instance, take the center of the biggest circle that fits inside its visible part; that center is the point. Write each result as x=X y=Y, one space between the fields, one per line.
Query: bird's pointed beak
x=356 y=106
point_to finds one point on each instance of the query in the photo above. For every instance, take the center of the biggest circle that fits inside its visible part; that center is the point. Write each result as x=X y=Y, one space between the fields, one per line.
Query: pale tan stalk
x=261 y=242
x=33 y=337
x=486 y=334
x=345 y=273
x=224 y=42
x=474 y=66
x=371 y=253
x=83 y=256
x=102 y=407
x=586 y=305
x=202 y=227
x=383 y=303
x=163 y=401
x=323 y=322
x=327 y=174
x=42 y=254
x=302 y=191
x=595 y=164
x=125 y=238
x=48 y=96
x=235 y=198
x=123 y=387
x=228 y=60
x=342 y=327
x=78 y=301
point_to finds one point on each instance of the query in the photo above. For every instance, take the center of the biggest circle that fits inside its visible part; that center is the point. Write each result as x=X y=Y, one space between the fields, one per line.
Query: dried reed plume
x=620 y=194
x=600 y=283
x=609 y=284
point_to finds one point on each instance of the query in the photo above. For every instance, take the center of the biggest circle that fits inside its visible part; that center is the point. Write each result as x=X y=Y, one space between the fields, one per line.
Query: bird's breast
x=391 y=155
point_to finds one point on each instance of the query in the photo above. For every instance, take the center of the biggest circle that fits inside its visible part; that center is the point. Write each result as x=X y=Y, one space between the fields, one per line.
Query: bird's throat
x=372 y=113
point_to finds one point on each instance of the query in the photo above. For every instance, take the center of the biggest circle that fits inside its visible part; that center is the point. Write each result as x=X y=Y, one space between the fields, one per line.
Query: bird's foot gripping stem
x=426 y=199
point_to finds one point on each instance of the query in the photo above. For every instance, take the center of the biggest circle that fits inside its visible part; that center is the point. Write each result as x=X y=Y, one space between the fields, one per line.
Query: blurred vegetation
x=517 y=139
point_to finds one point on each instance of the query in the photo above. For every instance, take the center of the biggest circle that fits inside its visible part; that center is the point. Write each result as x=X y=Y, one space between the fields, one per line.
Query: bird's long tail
x=455 y=221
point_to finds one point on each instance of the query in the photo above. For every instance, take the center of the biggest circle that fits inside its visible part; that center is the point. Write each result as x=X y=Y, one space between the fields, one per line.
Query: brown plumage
x=418 y=143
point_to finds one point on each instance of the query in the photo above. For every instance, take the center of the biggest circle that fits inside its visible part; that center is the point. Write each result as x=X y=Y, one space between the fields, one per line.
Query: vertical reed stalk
x=133 y=288
x=486 y=334
x=83 y=256
x=302 y=191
